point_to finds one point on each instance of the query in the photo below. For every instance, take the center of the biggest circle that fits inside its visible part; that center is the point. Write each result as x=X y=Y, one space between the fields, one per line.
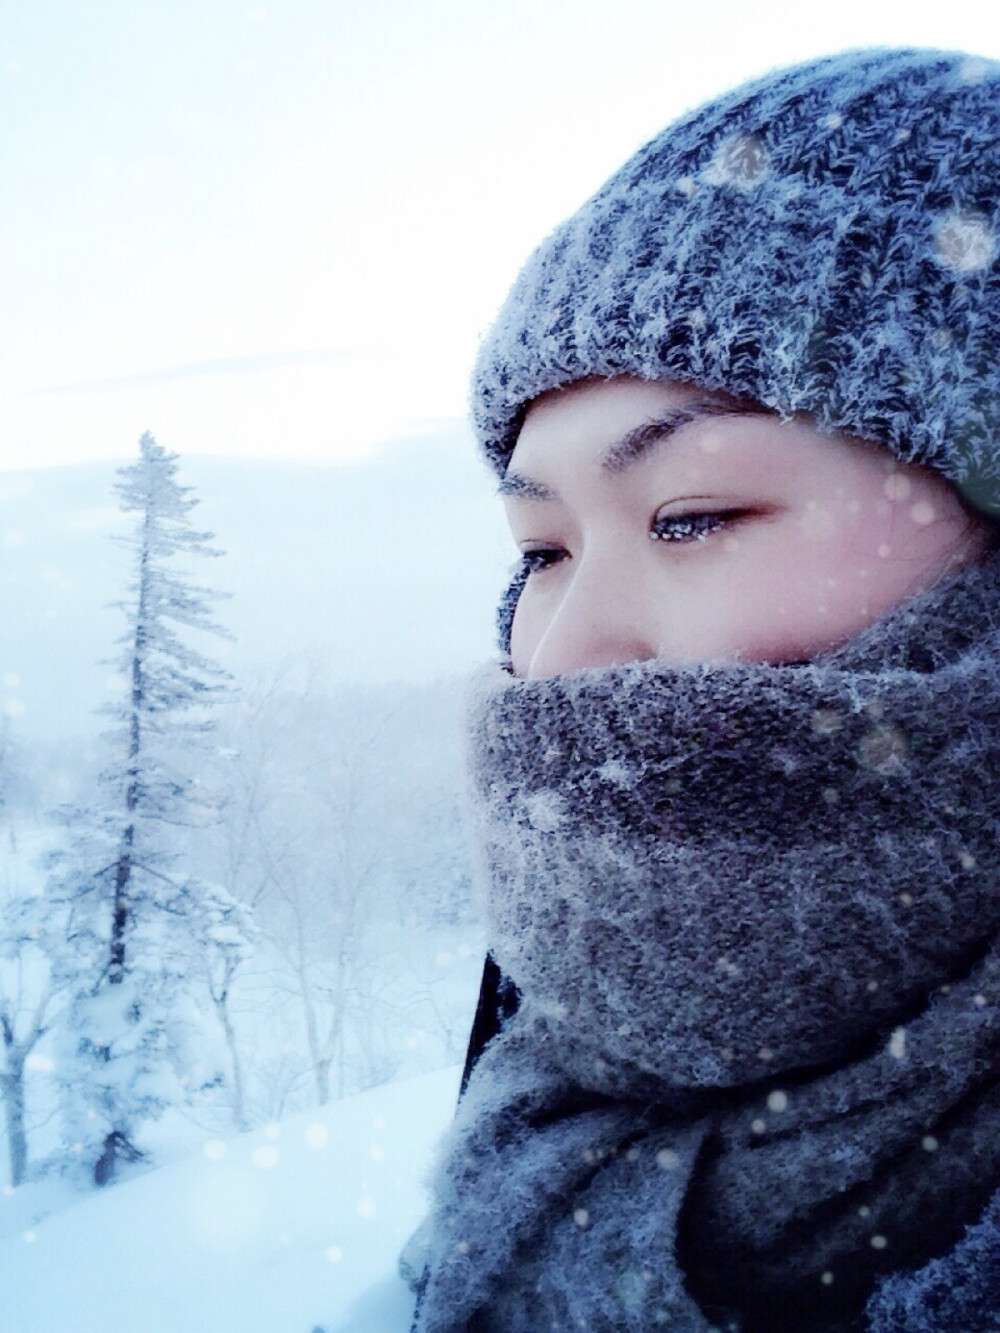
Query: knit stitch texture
x=823 y=240
x=753 y=913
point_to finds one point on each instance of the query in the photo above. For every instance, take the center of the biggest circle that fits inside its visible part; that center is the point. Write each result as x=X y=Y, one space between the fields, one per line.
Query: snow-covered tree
x=136 y=1029
x=42 y=956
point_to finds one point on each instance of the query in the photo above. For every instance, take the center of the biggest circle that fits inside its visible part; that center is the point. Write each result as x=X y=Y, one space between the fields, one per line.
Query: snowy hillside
x=294 y=1228
x=304 y=943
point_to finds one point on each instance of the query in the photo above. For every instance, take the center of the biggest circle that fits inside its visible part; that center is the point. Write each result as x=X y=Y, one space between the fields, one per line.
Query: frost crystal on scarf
x=753 y=914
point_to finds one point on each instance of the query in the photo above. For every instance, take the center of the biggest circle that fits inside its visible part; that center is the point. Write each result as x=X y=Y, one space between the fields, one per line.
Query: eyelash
x=685 y=529
x=689 y=527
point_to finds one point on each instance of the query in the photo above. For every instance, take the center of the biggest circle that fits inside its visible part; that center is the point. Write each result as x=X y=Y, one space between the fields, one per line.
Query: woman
x=734 y=783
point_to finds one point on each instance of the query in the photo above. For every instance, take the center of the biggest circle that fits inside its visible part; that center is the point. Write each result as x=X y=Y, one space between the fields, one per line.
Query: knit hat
x=821 y=240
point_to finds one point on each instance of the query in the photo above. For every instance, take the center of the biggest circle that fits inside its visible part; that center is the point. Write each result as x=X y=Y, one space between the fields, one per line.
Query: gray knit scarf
x=753 y=914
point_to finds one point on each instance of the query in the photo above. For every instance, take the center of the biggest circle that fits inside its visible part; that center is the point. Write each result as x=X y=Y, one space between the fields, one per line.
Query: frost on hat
x=822 y=240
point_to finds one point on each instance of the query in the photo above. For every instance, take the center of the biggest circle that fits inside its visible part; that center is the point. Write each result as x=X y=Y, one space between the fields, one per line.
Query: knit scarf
x=753 y=914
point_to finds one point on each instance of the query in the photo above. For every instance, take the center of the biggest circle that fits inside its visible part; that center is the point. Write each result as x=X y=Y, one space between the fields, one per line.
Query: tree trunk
x=229 y=1032
x=320 y=1063
x=121 y=910
x=12 y=1087
x=116 y=1146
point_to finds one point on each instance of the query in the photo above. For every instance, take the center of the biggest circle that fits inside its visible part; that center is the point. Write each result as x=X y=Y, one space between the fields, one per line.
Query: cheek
x=783 y=595
x=525 y=633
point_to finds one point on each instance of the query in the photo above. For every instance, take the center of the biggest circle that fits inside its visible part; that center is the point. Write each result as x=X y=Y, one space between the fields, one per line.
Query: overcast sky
x=279 y=229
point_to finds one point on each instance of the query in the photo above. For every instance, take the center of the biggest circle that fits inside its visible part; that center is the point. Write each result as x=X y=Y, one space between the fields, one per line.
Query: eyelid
x=732 y=512
x=709 y=504
x=533 y=558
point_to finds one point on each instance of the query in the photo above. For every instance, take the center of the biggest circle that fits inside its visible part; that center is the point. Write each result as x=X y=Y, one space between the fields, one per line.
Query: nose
x=604 y=618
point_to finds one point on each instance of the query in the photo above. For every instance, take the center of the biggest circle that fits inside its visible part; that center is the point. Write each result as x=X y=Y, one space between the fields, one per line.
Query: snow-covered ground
x=294 y=1228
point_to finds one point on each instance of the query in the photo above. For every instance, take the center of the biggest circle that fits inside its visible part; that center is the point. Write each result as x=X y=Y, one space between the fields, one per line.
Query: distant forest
x=248 y=897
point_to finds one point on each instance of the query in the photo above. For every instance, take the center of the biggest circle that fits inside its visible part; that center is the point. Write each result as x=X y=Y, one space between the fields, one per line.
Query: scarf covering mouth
x=753 y=914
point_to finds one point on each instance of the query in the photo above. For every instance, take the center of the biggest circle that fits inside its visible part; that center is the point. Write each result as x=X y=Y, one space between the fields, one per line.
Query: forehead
x=601 y=432
x=610 y=426
x=598 y=407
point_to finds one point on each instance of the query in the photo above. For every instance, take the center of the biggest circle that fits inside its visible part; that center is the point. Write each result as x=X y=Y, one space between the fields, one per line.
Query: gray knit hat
x=822 y=240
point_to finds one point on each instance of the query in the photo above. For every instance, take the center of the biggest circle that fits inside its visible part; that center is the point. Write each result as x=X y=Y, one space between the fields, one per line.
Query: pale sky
x=279 y=230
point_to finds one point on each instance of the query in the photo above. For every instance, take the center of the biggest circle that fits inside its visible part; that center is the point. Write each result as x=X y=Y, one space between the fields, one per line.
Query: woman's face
x=662 y=520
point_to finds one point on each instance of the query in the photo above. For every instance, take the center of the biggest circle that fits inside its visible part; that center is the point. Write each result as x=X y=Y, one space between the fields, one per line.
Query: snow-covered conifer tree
x=136 y=1030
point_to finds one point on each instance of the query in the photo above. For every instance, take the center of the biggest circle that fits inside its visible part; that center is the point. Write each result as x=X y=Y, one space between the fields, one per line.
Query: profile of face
x=662 y=520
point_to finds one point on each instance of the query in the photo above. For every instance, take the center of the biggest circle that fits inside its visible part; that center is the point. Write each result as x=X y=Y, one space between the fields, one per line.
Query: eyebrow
x=636 y=444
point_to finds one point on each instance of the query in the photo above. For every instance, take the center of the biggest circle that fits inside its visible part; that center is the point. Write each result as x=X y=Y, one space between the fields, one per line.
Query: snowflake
x=740 y=160
x=883 y=750
x=973 y=69
x=616 y=771
x=826 y=721
x=964 y=242
x=545 y=810
x=896 y=486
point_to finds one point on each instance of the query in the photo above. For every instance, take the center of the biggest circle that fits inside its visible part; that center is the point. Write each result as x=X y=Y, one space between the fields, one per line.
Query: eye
x=542 y=557
x=690 y=527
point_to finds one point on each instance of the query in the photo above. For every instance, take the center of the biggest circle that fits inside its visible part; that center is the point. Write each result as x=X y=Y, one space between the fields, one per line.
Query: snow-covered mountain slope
x=296 y=1228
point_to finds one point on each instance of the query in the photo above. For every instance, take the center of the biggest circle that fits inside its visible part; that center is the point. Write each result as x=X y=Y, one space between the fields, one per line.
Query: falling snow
x=740 y=161
x=884 y=750
x=964 y=242
x=973 y=69
x=545 y=810
x=615 y=771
